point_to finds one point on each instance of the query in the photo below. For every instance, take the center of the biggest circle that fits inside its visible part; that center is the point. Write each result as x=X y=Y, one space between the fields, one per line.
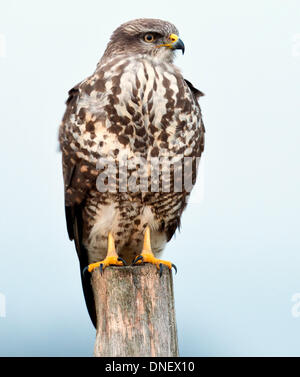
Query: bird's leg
x=147 y=255
x=112 y=257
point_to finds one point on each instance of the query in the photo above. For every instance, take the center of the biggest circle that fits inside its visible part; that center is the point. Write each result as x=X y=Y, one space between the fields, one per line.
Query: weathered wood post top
x=135 y=312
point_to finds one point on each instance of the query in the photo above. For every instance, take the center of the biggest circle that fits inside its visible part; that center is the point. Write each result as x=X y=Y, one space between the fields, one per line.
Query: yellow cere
x=173 y=38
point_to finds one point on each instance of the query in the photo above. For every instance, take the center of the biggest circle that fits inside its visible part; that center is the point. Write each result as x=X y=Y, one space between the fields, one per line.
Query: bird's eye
x=149 y=38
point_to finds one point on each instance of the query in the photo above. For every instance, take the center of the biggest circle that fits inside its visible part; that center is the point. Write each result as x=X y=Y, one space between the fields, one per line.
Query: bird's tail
x=88 y=294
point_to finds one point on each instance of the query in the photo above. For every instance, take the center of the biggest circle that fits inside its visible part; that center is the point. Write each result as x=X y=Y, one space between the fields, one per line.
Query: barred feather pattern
x=132 y=106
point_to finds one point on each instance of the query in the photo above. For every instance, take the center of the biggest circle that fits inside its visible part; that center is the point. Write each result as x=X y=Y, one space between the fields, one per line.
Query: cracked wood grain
x=135 y=312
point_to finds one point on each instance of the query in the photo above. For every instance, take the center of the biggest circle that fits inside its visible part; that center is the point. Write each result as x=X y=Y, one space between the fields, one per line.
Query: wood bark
x=135 y=312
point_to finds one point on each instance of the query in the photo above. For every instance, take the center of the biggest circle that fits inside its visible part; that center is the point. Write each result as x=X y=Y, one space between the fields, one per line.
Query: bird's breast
x=135 y=107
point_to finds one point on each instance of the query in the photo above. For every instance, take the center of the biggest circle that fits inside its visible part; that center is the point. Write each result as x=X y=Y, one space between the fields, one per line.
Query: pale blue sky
x=238 y=254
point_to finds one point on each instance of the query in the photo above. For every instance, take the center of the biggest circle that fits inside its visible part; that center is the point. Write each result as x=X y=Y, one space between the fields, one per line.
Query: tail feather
x=75 y=226
x=88 y=295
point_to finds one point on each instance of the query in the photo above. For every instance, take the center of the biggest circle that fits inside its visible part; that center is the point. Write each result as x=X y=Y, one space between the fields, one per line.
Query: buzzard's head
x=152 y=37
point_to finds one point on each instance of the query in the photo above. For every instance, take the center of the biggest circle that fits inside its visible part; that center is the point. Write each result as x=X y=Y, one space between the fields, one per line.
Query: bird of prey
x=135 y=105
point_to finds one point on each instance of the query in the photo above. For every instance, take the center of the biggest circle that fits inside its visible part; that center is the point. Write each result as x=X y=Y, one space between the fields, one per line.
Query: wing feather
x=77 y=182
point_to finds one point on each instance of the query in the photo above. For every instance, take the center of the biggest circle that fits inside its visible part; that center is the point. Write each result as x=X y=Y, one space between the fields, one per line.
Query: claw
x=101 y=268
x=102 y=265
x=138 y=258
x=150 y=258
x=160 y=270
x=175 y=268
x=108 y=261
x=122 y=260
x=85 y=271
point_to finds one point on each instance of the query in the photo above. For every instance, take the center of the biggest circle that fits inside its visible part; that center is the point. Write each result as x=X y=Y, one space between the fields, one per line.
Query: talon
x=160 y=270
x=85 y=271
x=167 y=265
x=122 y=260
x=150 y=258
x=108 y=261
x=138 y=258
x=101 y=268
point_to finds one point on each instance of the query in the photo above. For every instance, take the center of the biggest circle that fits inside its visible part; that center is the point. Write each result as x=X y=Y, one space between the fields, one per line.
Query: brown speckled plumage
x=136 y=104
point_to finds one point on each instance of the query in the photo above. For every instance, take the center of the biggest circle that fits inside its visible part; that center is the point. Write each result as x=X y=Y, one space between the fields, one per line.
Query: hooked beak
x=178 y=45
x=175 y=43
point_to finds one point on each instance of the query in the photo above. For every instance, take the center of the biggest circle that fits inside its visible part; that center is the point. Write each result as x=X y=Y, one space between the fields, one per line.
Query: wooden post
x=135 y=312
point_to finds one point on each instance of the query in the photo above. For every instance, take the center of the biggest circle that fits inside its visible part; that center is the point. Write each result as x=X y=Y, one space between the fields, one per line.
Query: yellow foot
x=150 y=258
x=108 y=261
x=112 y=258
